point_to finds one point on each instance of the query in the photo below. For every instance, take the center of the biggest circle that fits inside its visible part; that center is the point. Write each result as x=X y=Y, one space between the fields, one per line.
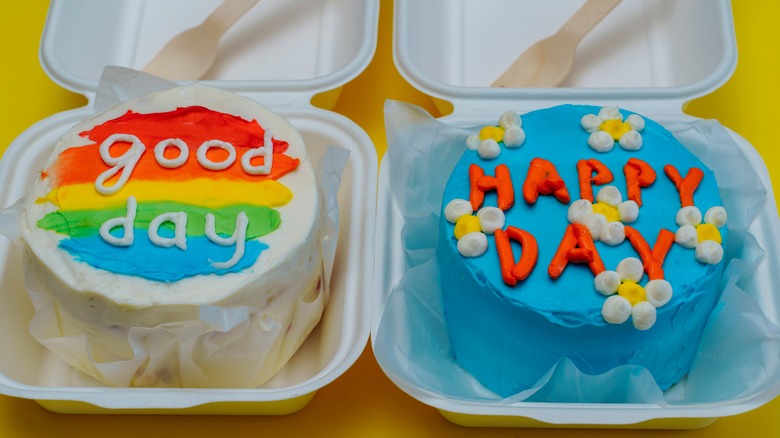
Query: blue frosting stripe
x=146 y=260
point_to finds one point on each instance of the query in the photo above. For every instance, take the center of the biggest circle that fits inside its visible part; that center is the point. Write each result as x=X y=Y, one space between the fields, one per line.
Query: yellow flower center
x=633 y=292
x=466 y=224
x=494 y=132
x=708 y=232
x=615 y=128
x=610 y=212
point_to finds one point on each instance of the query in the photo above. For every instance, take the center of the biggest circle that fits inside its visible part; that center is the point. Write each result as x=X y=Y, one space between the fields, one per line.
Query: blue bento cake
x=578 y=232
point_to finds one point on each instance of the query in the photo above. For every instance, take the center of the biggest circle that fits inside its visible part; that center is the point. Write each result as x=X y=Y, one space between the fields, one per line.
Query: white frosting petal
x=716 y=216
x=643 y=315
x=686 y=236
x=473 y=244
x=488 y=149
x=609 y=195
x=607 y=282
x=456 y=209
x=636 y=122
x=613 y=233
x=628 y=211
x=472 y=142
x=689 y=215
x=616 y=310
x=491 y=219
x=595 y=222
x=630 y=269
x=578 y=210
x=514 y=136
x=509 y=119
x=631 y=141
x=709 y=251
x=591 y=123
x=610 y=113
x=600 y=141
x=658 y=292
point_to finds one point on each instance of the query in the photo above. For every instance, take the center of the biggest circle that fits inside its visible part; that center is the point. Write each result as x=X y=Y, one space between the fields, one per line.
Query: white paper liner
x=237 y=347
x=739 y=351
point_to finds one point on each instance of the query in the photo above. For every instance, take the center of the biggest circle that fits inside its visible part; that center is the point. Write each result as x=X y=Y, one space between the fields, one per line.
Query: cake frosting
x=579 y=232
x=164 y=208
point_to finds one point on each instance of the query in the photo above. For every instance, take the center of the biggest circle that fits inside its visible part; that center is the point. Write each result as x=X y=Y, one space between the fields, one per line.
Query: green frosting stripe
x=84 y=223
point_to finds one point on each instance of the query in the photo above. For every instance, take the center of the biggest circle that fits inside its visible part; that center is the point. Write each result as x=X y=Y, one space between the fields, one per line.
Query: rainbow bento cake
x=177 y=238
x=583 y=233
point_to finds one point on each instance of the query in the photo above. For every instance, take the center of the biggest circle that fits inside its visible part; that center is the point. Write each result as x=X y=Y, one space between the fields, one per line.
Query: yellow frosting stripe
x=203 y=192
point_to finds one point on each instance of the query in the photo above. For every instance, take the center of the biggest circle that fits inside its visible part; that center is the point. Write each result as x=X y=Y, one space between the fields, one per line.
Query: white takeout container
x=651 y=57
x=281 y=54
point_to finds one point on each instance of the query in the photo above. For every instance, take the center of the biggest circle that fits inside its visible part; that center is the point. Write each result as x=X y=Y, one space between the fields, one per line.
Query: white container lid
x=652 y=55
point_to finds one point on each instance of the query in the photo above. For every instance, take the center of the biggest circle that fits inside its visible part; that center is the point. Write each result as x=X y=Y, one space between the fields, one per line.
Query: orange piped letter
x=543 y=179
x=481 y=183
x=577 y=246
x=685 y=186
x=639 y=174
x=585 y=169
x=513 y=272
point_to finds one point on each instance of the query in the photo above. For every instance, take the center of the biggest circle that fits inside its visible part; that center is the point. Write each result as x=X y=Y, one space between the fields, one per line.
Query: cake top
x=176 y=185
x=590 y=215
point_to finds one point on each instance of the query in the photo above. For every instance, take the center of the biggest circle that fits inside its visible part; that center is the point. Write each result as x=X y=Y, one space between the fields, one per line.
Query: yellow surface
x=363 y=402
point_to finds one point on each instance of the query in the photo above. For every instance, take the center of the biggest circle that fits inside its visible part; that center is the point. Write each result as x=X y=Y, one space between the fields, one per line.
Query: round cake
x=578 y=232
x=155 y=220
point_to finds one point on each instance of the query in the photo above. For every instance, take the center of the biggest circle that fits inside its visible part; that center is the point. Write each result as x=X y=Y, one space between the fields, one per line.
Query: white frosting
x=636 y=122
x=658 y=292
x=613 y=233
x=616 y=309
x=591 y=123
x=631 y=140
x=630 y=269
x=179 y=221
x=689 y=215
x=514 y=136
x=709 y=251
x=171 y=163
x=609 y=195
x=607 y=282
x=472 y=244
x=491 y=219
x=578 y=210
x=510 y=119
x=206 y=162
x=628 y=211
x=124 y=163
x=266 y=150
x=238 y=238
x=456 y=209
x=600 y=141
x=126 y=222
x=488 y=149
x=472 y=142
x=686 y=236
x=595 y=223
x=716 y=216
x=610 y=113
x=643 y=315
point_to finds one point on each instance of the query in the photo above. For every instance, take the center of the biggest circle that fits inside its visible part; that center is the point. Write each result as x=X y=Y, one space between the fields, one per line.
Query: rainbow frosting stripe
x=188 y=189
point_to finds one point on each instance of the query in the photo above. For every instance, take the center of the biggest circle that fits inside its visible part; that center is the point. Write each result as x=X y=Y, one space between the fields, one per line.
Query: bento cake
x=164 y=208
x=578 y=232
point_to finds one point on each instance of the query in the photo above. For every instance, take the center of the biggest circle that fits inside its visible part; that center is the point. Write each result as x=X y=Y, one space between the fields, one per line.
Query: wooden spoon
x=190 y=54
x=548 y=62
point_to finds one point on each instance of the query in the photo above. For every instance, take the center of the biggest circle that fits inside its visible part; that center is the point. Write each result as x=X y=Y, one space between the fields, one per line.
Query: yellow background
x=363 y=402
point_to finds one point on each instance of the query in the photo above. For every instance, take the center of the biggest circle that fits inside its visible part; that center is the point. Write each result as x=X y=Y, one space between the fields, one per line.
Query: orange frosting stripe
x=194 y=125
x=83 y=165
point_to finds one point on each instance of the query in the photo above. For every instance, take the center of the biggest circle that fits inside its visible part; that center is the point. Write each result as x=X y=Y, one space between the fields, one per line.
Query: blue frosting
x=144 y=259
x=508 y=337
